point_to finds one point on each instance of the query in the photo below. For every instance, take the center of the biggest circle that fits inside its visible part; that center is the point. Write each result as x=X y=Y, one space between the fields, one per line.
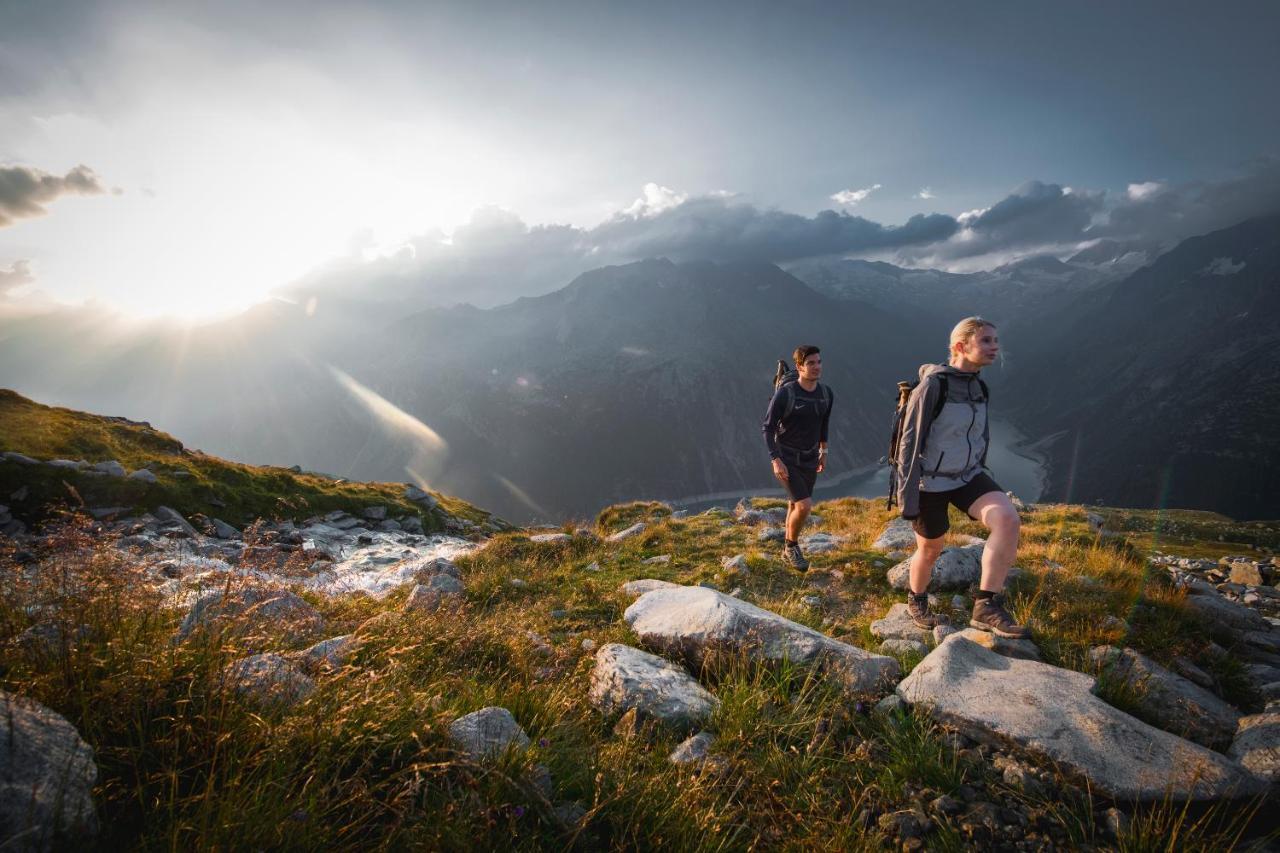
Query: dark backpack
x=900 y=416
x=787 y=377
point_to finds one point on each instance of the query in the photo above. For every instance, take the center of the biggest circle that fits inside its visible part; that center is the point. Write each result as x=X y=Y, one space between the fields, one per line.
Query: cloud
x=24 y=191
x=925 y=193
x=1146 y=189
x=851 y=198
x=17 y=275
x=657 y=199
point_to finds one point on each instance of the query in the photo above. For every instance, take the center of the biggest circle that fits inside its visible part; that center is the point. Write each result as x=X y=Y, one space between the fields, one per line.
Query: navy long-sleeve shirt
x=805 y=427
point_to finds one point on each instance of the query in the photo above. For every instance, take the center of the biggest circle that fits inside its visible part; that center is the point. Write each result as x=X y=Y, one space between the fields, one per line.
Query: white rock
x=820 y=543
x=1023 y=649
x=1051 y=714
x=660 y=560
x=47 y=774
x=697 y=622
x=956 y=568
x=487 y=733
x=736 y=563
x=111 y=467
x=332 y=652
x=269 y=679
x=626 y=678
x=692 y=750
x=901 y=647
x=898 y=536
x=427 y=597
x=1257 y=744
x=626 y=533
x=897 y=625
x=551 y=538
x=143 y=475
x=637 y=588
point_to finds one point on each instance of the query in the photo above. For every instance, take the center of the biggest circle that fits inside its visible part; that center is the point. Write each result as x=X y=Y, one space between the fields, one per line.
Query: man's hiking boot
x=918 y=608
x=989 y=615
x=793 y=557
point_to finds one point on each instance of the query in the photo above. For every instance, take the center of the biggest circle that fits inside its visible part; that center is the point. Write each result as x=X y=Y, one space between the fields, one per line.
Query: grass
x=189 y=481
x=365 y=761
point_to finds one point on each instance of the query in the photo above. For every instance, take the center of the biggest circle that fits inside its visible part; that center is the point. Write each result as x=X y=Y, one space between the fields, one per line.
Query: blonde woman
x=942 y=461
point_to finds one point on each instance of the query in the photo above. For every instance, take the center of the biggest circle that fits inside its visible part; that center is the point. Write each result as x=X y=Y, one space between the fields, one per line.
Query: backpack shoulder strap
x=986 y=394
x=942 y=395
x=791 y=400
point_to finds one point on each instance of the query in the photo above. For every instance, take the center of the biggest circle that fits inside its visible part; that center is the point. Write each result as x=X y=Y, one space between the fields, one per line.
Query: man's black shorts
x=932 y=521
x=802 y=472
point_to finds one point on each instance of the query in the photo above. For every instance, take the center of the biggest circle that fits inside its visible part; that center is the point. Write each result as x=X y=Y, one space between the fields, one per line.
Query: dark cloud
x=24 y=191
x=18 y=274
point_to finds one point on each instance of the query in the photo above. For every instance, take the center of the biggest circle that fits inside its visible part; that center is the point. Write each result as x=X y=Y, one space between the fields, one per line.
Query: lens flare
x=391 y=416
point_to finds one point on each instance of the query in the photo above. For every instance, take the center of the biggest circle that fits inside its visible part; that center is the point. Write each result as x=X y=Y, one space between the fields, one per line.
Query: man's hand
x=780 y=470
x=822 y=459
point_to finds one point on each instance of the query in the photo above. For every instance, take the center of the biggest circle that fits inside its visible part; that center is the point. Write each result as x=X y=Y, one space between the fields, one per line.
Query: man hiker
x=942 y=459
x=795 y=431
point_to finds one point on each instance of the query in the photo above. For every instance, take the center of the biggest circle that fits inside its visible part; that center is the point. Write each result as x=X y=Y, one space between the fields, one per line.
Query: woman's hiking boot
x=989 y=615
x=794 y=557
x=921 y=615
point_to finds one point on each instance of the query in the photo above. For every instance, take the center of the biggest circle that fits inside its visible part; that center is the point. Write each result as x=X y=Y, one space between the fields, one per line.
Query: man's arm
x=772 y=419
x=822 y=439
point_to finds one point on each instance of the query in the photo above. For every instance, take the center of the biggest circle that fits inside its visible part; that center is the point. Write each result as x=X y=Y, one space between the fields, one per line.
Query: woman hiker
x=942 y=461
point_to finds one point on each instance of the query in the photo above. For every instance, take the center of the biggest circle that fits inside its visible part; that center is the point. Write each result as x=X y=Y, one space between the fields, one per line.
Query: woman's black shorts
x=932 y=521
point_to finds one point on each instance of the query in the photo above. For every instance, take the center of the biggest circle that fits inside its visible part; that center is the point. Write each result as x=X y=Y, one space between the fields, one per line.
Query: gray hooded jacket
x=943 y=453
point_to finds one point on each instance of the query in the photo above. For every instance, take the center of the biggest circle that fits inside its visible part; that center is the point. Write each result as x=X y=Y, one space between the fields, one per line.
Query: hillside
x=200 y=710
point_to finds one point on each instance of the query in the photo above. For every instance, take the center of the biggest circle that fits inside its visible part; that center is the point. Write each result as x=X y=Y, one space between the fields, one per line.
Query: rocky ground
x=648 y=679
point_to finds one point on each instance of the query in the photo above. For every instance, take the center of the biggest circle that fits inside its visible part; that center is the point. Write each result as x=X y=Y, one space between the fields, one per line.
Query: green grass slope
x=189 y=481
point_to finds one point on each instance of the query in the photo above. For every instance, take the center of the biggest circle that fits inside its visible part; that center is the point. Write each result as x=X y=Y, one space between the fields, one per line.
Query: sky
x=191 y=159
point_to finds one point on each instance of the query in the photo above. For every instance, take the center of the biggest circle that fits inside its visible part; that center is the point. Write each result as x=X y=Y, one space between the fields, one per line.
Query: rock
x=517 y=583
x=1052 y=715
x=956 y=569
x=427 y=597
x=487 y=733
x=569 y=814
x=1257 y=744
x=1266 y=640
x=736 y=563
x=19 y=494
x=144 y=476
x=889 y=705
x=1017 y=502
x=902 y=647
x=98 y=512
x=375 y=513
x=1021 y=649
x=1116 y=822
x=692 y=750
x=419 y=496
x=588 y=645
x=941 y=632
x=660 y=560
x=263 y=608
x=1179 y=705
x=1114 y=623
x=771 y=534
x=1226 y=614
x=269 y=679
x=173 y=518
x=820 y=543
x=47 y=774
x=14 y=456
x=897 y=625
x=331 y=652
x=1246 y=573
x=1094 y=521
x=551 y=538
x=223 y=530
x=637 y=588
x=626 y=533
x=591 y=567
x=1190 y=671
x=110 y=467
x=898 y=536
x=389 y=525
x=625 y=678
x=68 y=464
x=812 y=600
x=698 y=623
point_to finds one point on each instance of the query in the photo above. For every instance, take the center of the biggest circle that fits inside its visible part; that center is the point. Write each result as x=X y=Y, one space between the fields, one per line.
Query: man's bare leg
x=796 y=518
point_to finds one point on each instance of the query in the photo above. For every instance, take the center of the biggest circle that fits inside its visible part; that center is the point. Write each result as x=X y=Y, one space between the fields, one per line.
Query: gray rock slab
x=736 y=563
x=1052 y=715
x=897 y=625
x=487 y=733
x=637 y=588
x=1022 y=649
x=1180 y=706
x=771 y=534
x=269 y=679
x=169 y=516
x=627 y=532
x=625 y=678
x=696 y=622
x=820 y=543
x=331 y=652
x=1227 y=614
x=895 y=646
x=269 y=609
x=144 y=476
x=47 y=774
x=426 y=597
x=111 y=467
x=956 y=569
x=1257 y=745
x=223 y=530
x=897 y=536
x=693 y=750
x=551 y=538
x=21 y=459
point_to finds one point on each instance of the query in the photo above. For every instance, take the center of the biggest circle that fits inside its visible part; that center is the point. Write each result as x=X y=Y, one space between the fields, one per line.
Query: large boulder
x=487 y=733
x=1007 y=646
x=47 y=775
x=625 y=678
x=262 y=609
x=1257 y=744
x=269 y=679
x=957 y=568
x=898 y=536
x=1051 y=714
x=1175 y=702
x=1227 y=614
x=696 y=622
x=427 y=597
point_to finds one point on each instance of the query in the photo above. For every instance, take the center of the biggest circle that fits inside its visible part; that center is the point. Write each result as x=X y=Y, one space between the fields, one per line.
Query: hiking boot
x=793 y=557
x=990 y=615
x=918 y=608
